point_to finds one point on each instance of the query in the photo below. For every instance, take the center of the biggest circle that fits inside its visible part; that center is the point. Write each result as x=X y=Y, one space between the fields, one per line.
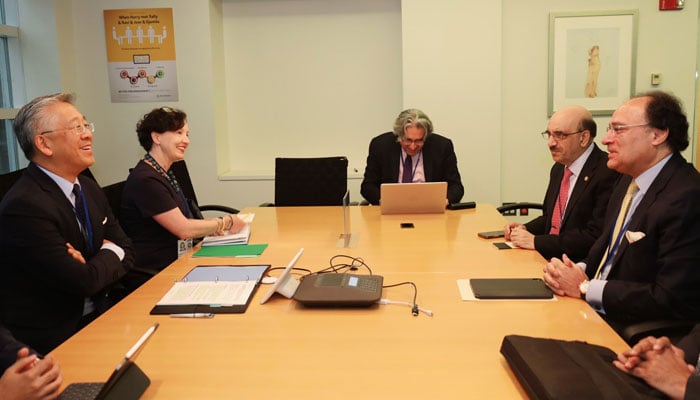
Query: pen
x=193 y=315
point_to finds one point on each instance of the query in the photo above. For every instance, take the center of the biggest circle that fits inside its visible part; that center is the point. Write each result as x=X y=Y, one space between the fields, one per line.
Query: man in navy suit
x=411 y=153
x=571 y=221
x=668 y=368
x=646 y=263
x=60 y=245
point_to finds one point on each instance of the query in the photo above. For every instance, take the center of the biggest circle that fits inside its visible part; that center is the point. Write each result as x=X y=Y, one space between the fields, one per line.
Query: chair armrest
x=216 y=207
x=518 y=206
x=673 y=329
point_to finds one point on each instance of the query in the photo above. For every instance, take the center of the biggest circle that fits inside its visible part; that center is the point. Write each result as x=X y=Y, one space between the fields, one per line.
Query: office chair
x=113 y=193
x=182 y=175
x=9 y=179
x=519 y=206
x=675 y=330
x=321 y=181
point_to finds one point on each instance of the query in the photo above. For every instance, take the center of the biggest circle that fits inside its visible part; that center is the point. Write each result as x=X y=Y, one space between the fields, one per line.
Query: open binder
x=218 y=289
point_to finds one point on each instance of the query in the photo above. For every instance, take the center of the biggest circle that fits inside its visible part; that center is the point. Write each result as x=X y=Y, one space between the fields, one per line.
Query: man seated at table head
x=23 y=375
x=580 y=184
x=411 y=153
x=673 y=370
x=646 y=263
x=60 y=245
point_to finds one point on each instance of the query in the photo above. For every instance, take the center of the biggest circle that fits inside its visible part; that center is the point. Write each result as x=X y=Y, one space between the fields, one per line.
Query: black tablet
x=510 y=288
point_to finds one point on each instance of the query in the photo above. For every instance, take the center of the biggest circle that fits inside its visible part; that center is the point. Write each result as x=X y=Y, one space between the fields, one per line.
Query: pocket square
x=634 y=236
x=104 y=221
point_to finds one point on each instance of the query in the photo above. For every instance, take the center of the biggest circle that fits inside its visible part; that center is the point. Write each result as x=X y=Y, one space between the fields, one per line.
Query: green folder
x=233 y=250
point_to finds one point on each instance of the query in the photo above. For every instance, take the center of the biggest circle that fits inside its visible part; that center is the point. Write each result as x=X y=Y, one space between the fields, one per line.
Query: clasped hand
x=563 y=276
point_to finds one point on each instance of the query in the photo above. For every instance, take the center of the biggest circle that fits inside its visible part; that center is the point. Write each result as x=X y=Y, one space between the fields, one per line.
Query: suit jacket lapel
x=648 y=200
x=582 y=181
x=64 y=206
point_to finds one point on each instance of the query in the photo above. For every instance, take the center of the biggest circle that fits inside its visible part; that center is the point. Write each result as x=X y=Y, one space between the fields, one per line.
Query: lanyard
x=170 y=176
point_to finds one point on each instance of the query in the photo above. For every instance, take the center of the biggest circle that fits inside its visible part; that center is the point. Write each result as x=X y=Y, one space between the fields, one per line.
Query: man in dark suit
x=411 y=153
x=646 y=263
x=60 y=245
x=23 y=375
x=571 y=221
x=669 y=369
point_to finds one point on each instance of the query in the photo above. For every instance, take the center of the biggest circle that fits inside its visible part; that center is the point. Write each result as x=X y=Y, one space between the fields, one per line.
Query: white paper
x=220 y=293
x=240 y=237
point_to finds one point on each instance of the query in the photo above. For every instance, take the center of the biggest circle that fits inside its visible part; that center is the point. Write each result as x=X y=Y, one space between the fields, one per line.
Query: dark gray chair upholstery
x=320 y=181
x=182 y=175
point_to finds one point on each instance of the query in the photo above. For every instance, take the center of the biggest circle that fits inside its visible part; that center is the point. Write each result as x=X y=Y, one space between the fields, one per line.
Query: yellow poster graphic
x=141 y=55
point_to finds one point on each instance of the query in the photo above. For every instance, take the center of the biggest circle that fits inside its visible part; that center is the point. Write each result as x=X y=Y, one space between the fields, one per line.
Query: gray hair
x=412 y=117
x=32 y=116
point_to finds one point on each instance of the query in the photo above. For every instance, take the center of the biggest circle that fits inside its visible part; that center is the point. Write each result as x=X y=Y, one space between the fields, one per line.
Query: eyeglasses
x=417 y=142
x=558 y=135
x=618 y=129
x=77 y=130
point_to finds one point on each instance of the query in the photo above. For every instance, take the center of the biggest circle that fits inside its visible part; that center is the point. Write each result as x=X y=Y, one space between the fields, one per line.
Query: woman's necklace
x=170 y=176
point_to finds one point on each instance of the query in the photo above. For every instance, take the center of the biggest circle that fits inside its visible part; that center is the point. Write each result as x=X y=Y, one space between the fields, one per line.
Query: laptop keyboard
x=81 y=391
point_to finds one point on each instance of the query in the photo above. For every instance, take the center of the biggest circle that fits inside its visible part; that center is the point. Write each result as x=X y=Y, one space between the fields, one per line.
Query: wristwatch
x=583 y=288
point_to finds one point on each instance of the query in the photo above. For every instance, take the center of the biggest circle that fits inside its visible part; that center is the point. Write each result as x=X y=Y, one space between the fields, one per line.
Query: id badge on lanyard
x=183 y=246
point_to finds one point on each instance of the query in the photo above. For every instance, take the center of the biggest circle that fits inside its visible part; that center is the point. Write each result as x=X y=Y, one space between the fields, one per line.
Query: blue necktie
x=82 y=213
x=407 y=170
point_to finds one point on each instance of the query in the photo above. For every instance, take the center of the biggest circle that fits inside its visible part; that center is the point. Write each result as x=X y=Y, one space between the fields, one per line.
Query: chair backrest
x=310 y=181
x=182 y=175
x=113 y=193
x=9 y=179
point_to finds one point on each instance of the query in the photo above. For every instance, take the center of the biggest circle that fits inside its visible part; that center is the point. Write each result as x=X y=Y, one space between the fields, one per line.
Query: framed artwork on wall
x=592 y=59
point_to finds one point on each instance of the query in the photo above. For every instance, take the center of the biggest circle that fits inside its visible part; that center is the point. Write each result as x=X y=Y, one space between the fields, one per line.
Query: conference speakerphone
x=339 y=290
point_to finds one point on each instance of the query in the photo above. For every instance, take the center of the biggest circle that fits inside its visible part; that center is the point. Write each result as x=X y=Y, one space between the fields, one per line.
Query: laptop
x=339 y=290
x=510 y=288
x=413 y=198
x=127 y=381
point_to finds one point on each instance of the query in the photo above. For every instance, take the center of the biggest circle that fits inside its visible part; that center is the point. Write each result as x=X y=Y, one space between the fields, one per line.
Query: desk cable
x=415 y=308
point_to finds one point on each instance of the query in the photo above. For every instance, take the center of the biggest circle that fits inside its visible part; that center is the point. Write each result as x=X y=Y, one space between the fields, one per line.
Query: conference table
x=282 y=349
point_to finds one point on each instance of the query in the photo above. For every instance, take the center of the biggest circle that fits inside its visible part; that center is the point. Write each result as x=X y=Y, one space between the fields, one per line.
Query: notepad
x=231 y=250
x=240 y=237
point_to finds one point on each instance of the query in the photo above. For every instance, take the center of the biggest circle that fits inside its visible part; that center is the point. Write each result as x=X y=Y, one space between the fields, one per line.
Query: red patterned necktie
x=560 y=205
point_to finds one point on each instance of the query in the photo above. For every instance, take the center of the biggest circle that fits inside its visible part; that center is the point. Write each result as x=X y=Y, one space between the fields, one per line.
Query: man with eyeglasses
x=60 y=245
x=577 y=196
x=646 y=263
x=411 y=153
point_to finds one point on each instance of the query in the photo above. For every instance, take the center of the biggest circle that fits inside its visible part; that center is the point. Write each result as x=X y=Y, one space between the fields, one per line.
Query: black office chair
x=675 y=330
x=321 y=181
x=182 y=175
x=9 y=179
x=113 y=193
x=519 y=206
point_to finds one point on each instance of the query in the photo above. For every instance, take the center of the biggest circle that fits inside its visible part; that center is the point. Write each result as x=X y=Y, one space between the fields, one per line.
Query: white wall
x=478 y=68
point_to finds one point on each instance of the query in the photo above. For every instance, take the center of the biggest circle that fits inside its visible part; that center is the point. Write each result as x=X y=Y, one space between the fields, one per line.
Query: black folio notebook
x=213 y=274
x=550 y=369
x=510 y=288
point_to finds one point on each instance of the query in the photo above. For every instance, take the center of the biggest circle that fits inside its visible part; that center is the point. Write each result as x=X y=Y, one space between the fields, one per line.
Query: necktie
x=407 y=170
x=632 y=190
x=560 y=205
x=82 y=214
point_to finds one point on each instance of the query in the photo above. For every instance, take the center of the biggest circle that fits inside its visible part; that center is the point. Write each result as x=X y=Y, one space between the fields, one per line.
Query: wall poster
x=141 y=55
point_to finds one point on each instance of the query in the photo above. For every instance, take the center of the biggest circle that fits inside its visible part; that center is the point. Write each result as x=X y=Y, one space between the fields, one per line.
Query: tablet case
x=510 y=288
x=551 y=369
